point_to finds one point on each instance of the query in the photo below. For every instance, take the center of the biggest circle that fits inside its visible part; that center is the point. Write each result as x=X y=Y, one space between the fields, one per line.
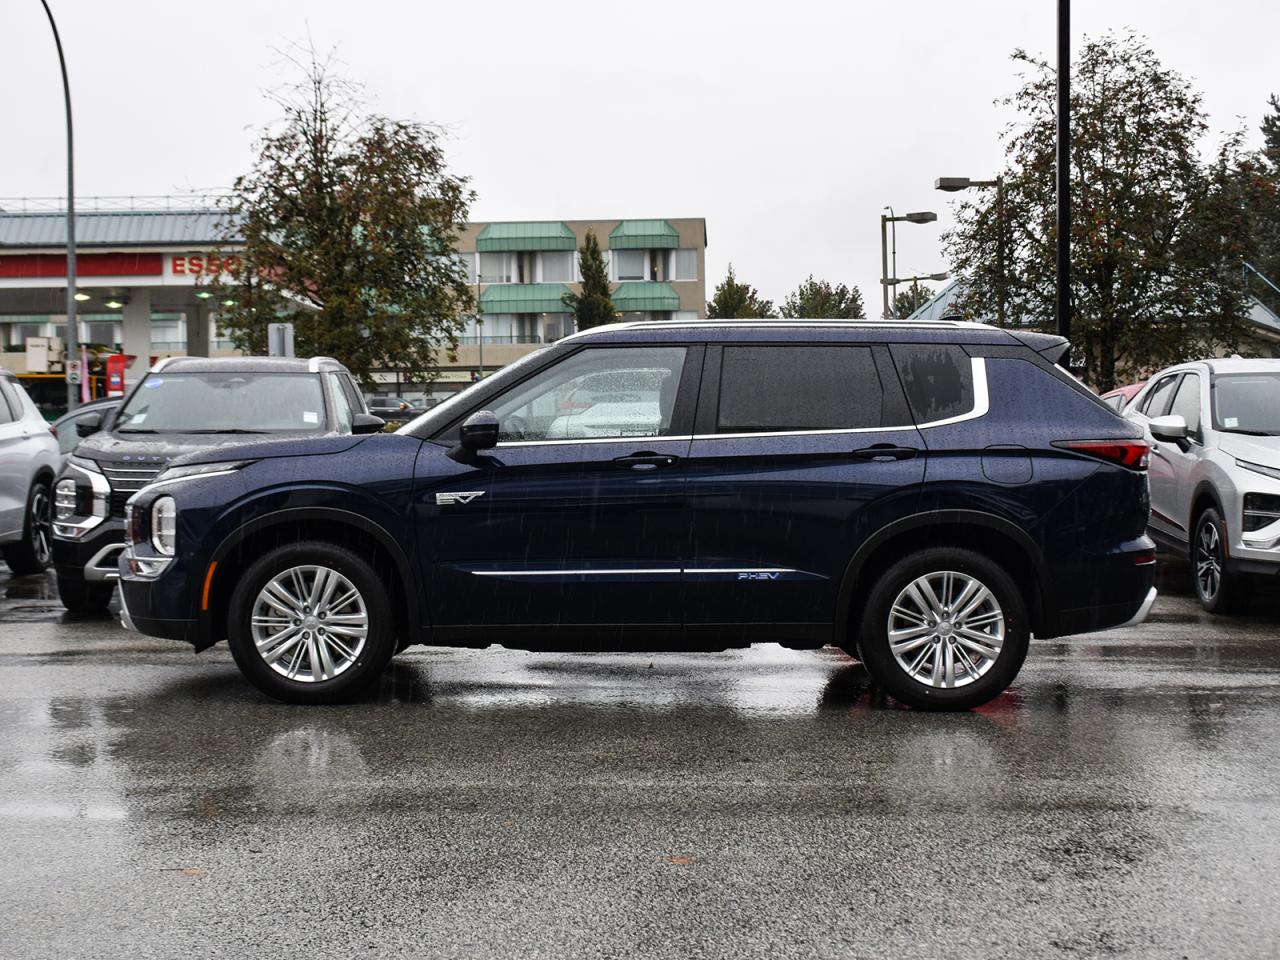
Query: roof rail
x=313 y=365
x=164 y=362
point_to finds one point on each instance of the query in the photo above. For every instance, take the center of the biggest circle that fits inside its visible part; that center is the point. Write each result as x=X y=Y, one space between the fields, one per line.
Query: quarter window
x=783 y=389
x=599 y=392
x=938 y=379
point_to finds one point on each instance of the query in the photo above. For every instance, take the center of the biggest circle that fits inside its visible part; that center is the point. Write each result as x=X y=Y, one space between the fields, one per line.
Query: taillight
x=1133 y=454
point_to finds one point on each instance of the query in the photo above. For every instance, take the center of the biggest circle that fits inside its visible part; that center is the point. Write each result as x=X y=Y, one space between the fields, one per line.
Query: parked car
x=28 y=464
x=1215 y=471
x=392 y=409
x=183 y=404
x=1117 y=398
x=925 y=496
x=88 y=417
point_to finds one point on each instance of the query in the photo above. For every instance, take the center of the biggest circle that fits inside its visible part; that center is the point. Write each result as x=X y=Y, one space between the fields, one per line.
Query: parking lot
x=1121 y=800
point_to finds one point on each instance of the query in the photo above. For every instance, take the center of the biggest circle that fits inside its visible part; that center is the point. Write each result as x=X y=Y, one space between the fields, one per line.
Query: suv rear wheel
x=1218 y=590
x=31 y=554
x=944 y=629
x=311 y=623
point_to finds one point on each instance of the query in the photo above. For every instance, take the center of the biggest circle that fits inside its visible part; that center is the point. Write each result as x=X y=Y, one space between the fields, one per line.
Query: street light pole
x=1064 y=169
x=71 y=349
x=922 y=216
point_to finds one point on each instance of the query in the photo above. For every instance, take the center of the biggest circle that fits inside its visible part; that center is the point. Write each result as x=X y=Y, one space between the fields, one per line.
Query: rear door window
x=938 y=379
x=786 y=389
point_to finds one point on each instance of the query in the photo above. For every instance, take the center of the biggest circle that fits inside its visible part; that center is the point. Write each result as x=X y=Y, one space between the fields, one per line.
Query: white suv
x=1215 y=470
x=28 y=461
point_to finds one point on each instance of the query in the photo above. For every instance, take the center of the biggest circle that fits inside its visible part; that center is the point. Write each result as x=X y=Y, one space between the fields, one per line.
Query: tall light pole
x=954 y=184
x=922 y=216
x=1064 y=169
x=70 y=349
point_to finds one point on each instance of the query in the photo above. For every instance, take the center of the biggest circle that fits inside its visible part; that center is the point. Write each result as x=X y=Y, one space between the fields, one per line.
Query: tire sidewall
x=874 y=632
x=379 y=642
x=1222 y=599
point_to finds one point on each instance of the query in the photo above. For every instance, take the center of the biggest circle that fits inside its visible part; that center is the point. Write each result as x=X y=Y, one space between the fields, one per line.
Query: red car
x=1117 y=398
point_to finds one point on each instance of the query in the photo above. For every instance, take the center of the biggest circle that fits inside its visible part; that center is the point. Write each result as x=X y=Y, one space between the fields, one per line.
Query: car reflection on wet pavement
x=1120 y=799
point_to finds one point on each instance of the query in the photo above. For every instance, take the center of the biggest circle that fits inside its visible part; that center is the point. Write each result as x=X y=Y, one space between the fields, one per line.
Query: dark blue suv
x=925 y=496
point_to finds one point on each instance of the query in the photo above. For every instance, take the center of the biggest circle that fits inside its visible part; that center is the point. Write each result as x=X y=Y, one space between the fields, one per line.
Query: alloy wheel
x=309 y=623
x=946 y=629
x=41 y=526
x=1208 y=561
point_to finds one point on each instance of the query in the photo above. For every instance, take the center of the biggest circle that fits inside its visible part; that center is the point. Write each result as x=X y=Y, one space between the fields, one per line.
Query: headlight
x=84 y=463
x=200 y=470
x=164 y=526
x=64 y=499
x=1259 y=468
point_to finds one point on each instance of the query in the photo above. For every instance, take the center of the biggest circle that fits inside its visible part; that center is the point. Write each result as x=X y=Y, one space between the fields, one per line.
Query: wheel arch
x=985 y=533
x=365 y=537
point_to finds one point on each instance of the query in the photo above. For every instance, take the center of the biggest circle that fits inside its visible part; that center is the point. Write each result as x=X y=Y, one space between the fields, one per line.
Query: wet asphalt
x=1123 y=799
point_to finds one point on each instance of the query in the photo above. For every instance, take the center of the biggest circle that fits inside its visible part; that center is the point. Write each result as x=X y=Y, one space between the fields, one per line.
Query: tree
x=818 y=299
x=594 y=305
x=349 y=224
x=1156 y=240
x=911 y=299
x=1267 y=206
x=734 y=300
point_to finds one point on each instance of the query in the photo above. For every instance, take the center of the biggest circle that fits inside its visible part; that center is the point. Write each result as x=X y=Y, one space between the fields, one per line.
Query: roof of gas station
x=132 y=228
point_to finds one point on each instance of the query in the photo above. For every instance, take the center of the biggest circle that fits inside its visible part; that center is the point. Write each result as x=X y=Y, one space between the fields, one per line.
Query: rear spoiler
x=1052 y=348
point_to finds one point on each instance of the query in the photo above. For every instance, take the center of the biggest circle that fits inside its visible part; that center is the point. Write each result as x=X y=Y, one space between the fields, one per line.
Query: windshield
x=224 y=403
x=1247 y=403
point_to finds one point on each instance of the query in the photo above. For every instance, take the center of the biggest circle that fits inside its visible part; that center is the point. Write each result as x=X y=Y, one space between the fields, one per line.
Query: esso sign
x=205 y=264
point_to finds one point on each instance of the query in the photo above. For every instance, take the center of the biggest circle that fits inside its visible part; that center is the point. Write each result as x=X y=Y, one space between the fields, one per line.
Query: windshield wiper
x=228 y=430
x=136 y=430
x=1248 y=433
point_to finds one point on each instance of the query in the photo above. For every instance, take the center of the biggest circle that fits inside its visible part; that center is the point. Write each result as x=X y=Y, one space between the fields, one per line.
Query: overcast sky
x=787 y=125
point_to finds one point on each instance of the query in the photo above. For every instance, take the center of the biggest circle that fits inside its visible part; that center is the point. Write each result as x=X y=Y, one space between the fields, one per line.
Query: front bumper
x=95 y=557
x=140 y=611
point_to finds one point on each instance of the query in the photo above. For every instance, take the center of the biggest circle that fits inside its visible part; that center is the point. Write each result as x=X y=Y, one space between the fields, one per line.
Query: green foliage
x=594 y=305
x=1267 y=208
x=1157 y=234
x=818 y=299
x=734 y=300
x=349 y=225
x=910 y=300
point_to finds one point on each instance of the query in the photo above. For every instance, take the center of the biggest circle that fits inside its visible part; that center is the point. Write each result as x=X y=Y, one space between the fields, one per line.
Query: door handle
x=645 y=460
x=885 y=453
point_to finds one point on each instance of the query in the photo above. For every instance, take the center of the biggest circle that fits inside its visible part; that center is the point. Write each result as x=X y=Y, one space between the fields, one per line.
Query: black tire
x=85 y=597
x=994 y=674
x=371 y=659
x=1208 y=547
x=32 y=553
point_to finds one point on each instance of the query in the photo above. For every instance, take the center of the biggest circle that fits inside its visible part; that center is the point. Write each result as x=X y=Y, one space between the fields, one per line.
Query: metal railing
x=195 y=200
x=521 y=338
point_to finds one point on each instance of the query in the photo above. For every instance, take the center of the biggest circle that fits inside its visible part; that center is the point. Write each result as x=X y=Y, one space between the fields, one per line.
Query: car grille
x=126 y=480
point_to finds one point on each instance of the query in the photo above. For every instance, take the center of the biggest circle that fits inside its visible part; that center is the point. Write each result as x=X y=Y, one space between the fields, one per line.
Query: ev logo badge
x=461 y=496
x=759 y=575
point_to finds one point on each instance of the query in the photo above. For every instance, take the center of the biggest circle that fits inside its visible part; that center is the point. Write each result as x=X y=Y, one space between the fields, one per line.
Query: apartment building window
x=631 y=264
x=684 y=265
x=468 y=261
x=168 y=333
x=557 y=266
x=555 y=326
x=497 y=267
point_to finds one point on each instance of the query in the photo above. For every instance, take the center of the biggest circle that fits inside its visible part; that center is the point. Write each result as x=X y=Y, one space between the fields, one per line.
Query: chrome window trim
x=613 y=572
x=981 y=407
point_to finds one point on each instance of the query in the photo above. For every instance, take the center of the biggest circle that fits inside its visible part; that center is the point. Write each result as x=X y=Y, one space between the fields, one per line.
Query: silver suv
x=1215 y=470
x=28 y=460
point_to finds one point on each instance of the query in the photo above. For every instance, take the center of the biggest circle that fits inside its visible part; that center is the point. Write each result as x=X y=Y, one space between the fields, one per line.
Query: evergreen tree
x=820 y=300
x=594 y=305
x=738 y=301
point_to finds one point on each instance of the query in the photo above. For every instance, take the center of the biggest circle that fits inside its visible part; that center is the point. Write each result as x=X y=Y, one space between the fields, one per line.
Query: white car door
x=1160 y=475
x=14 y=464
x=1188 y=403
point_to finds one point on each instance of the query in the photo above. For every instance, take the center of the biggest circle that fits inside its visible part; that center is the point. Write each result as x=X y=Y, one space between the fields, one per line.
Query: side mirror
x=367 y=423
x=1171 y=428
x=88 y=424
x=479 y=431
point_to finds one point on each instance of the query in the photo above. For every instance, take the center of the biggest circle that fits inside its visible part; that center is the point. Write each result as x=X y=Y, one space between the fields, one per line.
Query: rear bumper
x=1111 y=589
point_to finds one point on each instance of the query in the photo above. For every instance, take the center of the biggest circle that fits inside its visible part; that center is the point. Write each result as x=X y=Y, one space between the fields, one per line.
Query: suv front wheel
x=944 y=629
x=311 y=623
x=1218 y=590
